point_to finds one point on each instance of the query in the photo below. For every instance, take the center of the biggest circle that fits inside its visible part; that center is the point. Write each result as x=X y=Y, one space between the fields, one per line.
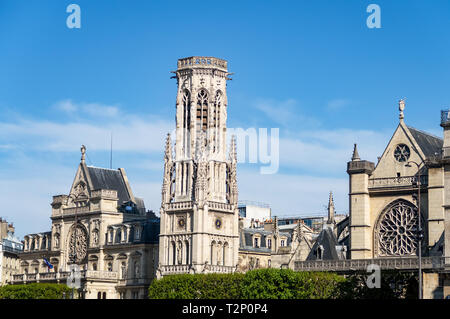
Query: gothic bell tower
x=199 y=217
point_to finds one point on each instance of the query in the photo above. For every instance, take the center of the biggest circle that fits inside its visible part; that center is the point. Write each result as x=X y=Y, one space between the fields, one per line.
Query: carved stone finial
x=168 y=150
x=233 y=153
x=331 y=209
x=355 y=156
x=83 y=153
x=401 y=107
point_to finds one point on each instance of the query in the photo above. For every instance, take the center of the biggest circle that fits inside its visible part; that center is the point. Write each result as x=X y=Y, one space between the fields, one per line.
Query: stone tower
x=360 y=230
x=199 y=217
x=445 y=123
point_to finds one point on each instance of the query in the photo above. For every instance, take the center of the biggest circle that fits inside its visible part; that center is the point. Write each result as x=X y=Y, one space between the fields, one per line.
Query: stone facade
x=103 y=231
x=199 y=213
x=385 y=199
x=10 y=247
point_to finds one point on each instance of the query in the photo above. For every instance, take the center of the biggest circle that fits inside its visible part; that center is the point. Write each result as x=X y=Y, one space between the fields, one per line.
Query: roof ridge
x=109 y=169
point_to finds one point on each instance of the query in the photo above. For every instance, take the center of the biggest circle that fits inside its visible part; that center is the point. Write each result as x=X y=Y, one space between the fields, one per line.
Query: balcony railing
x=405 y=263
x=220 y=206
x=55 y=276
x=78 y=210
x=397 y=181
x=180 y=205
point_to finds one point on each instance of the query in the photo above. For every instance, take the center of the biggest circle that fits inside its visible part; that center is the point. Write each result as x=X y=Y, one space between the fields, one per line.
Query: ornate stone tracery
x=395 y=232
x=78 y=243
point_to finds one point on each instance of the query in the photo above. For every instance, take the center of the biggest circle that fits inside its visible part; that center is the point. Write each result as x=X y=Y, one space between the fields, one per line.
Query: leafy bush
x=200 y=286
x=35 y=291
x=394 y=285
x=287 y=284
x=256 y=284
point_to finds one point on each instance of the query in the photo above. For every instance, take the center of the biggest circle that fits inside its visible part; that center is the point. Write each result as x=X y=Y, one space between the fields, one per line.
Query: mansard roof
x=429 y=144
x=246 y=239
x=104 y=178
x=150 y=228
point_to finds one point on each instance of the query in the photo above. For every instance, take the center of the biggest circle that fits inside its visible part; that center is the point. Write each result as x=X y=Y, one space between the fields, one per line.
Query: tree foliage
x=35 y=291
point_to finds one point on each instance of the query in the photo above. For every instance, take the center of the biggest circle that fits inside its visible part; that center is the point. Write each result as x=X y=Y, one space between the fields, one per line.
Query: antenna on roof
x=110 y=158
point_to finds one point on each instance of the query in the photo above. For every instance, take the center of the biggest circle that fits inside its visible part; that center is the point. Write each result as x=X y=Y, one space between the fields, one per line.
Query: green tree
x=35 y=291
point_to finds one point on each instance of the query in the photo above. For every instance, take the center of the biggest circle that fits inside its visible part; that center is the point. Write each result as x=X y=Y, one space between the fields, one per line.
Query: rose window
x=402 y=153
x=396 y=231
x=77 y=244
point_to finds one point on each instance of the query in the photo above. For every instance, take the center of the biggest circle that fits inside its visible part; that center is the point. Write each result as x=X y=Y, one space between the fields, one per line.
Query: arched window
x=202 y=110
x=225 y=254
x=110 y=266
x=94 y=266
x=186 y=245
x=186 y=121
x=99 y=295
x=213 y=256
x=396 y=229
x=174 y=253
x=216 y=120
x=104 y=295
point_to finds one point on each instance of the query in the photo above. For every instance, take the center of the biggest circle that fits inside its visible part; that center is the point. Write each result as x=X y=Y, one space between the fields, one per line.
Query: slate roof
x=104 y=178
x=150 y=230
x=327 y=239
x=246 y=239
x=429 y=144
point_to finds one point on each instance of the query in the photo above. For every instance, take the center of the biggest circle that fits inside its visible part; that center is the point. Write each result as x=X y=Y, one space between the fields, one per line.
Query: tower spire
x=355 y=156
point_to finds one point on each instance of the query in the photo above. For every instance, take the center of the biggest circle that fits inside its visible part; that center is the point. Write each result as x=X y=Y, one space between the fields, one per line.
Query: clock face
x=218 y=223
x=181 y=222
x=402 y=153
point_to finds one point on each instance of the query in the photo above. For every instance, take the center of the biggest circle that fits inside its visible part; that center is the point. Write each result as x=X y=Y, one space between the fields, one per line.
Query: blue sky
x=310 y=68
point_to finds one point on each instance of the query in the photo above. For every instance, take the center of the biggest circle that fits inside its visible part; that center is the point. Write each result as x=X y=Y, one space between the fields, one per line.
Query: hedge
x=199 y=286
x=35 y=291
x=256 y=284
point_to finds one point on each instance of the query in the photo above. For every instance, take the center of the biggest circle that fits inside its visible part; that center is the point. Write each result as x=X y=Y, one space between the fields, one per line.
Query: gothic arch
x=395 y=232
x=202 y=102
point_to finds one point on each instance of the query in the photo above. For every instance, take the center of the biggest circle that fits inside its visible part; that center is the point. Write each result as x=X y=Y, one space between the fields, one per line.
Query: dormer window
x=269 y=243
x=319 y=252
x=111 y=236
x=282 y=243
x=137 y=233
x=256 y=242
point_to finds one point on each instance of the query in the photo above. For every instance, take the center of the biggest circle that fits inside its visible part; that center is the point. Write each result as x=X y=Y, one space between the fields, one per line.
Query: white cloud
x=337 y=104
x=91 y=109
x=283 y=112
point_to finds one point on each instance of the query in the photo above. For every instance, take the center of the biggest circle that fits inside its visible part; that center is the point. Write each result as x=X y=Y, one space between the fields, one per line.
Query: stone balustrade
x=62 y=276
x=174 y=269
x=220 y=206
x=78 y=210
x=180 y=205
x=201 y=61
x=104 y=193
x=397 y=181
x=405 y=263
